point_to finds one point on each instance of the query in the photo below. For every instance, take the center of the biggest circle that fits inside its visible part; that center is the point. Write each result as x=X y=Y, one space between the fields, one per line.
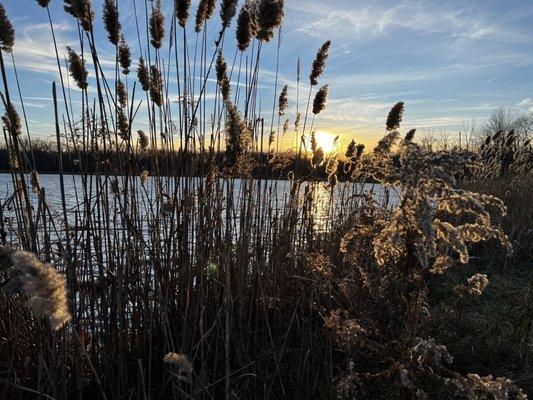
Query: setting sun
x=325 y=140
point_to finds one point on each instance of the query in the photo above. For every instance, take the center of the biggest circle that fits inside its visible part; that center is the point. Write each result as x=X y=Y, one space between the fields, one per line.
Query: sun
x=325 y=140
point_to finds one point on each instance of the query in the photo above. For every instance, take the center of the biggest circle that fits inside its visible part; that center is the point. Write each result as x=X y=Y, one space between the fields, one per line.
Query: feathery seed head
x=395 y=116
x=244 y=32
x=124 y=55
x=201 y=15
x=182 y=11
x=227 y=12
x=111 y=21
x=222 y=77
x=270 y=15
x=319 y=64
x=7 y=33
x=82 y=10
x=122 y=94
x=144 y=176
x=321 y=97
x=350 y=150
x=11 y=120
x=283 y=101
x=410 y=135
x=43 y=3
x=77 y=68
x=156 y=85
x=157 y=26
x=143 y=75
x=144 y=142
x=123 y=125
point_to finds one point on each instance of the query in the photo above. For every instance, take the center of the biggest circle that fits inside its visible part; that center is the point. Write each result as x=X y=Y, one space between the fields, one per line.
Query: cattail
x=319 y=104
x=124 y=55
x=350 y=150
x=244 y=31
x=157 y=26
x=144 y=176
x=270 y=16
x=182 y=11
x=144 y=142
x=43 y=286
x=222 y=77
x=410 y=135
x=123 y=125
x=82 y=10
x=143 y=75
x=35 y=182
x=179 y=360
x=156 y=85
x=122 y=94
x=111 y=21
x=12 y=120
x=319 y=64
x=7 y=33
x=228 y=9
x=283 y=101
x=395 y=116
x=77 y=68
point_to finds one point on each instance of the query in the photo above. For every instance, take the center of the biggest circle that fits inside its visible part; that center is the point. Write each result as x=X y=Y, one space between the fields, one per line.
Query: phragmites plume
x=144 y=176
x=228 y=9
x=35 y=182
x=122 y=94
x=222 y=77
x=319 y=104
x=350 y=150
x=43 y=3
x=395 y=116
x=286 y=126
x=410 y=135
x=244 y=32
x=143 y=75
x=82 y=10
x=157 y=26
x=180 y=360
x=124 y=55
x=270 y=16
x=297 y=122
x=283 y=100
x=314 y=143
x=201 y=16
x=11 y=120
x=144 y=142
x=182 y=11
x=238 y=138
x=77 y=68
x=156 y=85
x=319 y=64
x=318 y=157
x=123 y=125
x=7 y=33
x=111 y=21
x=44 y=287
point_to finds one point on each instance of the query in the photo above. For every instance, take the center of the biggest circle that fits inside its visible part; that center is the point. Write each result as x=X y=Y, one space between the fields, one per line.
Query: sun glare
x=325 y=140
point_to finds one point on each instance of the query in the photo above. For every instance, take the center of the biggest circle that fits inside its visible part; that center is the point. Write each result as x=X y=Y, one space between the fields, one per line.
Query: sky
x=452 y=62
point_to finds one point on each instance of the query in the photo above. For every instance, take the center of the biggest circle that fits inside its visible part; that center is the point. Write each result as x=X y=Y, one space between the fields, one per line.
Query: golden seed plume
x=124 y=55
x=7 y=33
x=144 y=142
x=244 y=32
x=111 y=21
x=157 y=26
x=319 y=64
x=143 y=75
x=409 y=136
x=228 y=9
x=395 y=116
x=77 y=68
x=319 y=103
x=222 y=77
x=270 y=15
x=11 y=120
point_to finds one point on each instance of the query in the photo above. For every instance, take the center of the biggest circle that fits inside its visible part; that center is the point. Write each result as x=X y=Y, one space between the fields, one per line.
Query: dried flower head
x=111 y=21
x=319 y=64
x=144 y=176
x=201 y=15
x=7 y=33
x=82 y=10
x=144 y=142
x=43 y=3
x=410 y=135
x=476 y=285
x=314 y=143
x=11 y=120
x=319 y=104
x=228 y=9
x=350 y=150
x=122 y=94
x=238 y=139
x=143 y=75
x=283 y=100
x=244 y=32
x=77 y=68
x=182 y=11
x=395 y=116
x=34 y=182
x=157 y=26
x=44 y=287
x=179 y=360
x=270 y=15
x=318 y=157
x=222 y=77
x=124 y=55
x=156 y=85
x=123 y=125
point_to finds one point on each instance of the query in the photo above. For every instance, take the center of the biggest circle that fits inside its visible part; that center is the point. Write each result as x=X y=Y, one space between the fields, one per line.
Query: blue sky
x=449 y=61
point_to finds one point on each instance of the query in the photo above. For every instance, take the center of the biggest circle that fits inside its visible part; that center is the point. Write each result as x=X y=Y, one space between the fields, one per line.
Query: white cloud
x=526 y=104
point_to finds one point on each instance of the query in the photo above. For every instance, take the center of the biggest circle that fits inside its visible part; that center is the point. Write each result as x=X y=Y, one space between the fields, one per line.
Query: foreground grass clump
x=180 y=272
